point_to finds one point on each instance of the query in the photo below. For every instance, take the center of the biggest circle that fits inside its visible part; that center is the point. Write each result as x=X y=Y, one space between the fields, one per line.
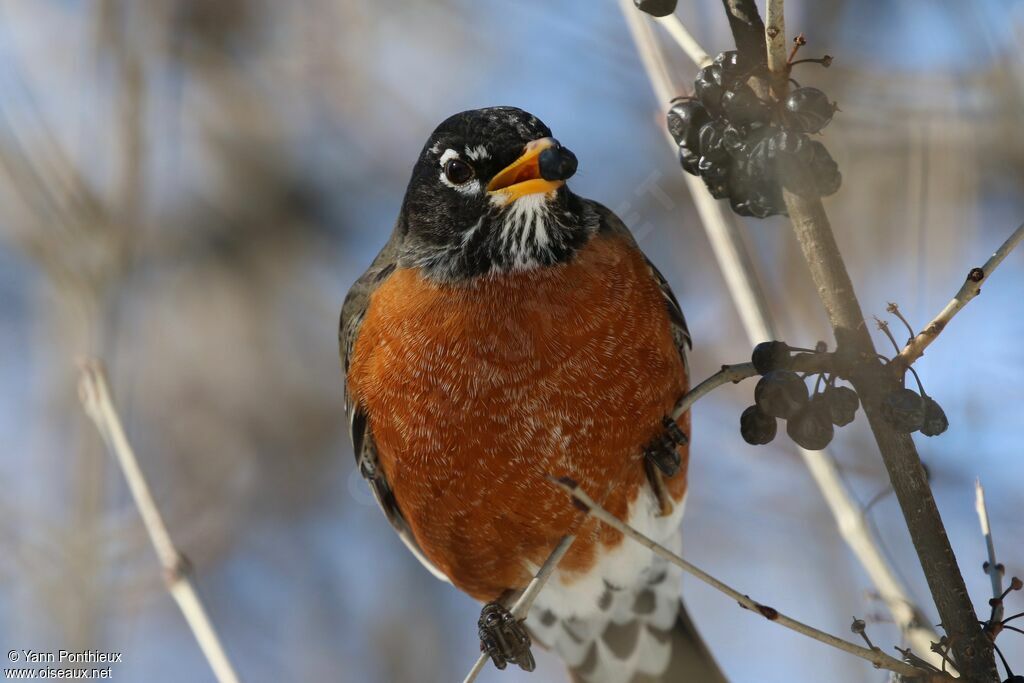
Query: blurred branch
x=875 y=655
x=747 y=294
x=970 y=289
x=974 y=652
x=685 y=40
x=522 y=606
x=992 y=567
x=95 y=397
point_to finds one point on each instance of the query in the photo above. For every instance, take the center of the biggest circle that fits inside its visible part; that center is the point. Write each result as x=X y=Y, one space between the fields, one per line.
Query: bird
x=509 y=331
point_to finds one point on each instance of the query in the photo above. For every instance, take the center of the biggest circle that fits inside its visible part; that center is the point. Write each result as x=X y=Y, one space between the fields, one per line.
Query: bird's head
x=488 y=195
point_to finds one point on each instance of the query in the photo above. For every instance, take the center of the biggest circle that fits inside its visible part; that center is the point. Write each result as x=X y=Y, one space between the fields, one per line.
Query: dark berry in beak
x=557 y=163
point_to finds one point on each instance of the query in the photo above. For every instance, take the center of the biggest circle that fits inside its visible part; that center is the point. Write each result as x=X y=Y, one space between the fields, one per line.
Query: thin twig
x=973 y=650
x=522 y=606
x=775 y=37
x=685 y=40
x=970 y=289
x=728 y=374
x=95 y=397
x=749 y=298
x=876 y=657
x=992 y=568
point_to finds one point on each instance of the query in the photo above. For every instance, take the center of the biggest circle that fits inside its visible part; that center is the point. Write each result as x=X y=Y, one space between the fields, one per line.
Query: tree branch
x=875 y=656
x=970 y=289
x=752 y=306
x=747 y=27
x=95 y=397
x=974 y=652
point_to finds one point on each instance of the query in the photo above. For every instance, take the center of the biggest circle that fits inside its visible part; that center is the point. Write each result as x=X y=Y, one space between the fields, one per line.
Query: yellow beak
x=522 y=176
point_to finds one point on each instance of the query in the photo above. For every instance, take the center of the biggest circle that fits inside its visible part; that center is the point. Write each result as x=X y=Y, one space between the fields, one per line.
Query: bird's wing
x=363 y=444
x=614 y=225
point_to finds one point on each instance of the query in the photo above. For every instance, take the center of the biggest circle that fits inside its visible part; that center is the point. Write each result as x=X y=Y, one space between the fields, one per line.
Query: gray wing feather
x=363 y=444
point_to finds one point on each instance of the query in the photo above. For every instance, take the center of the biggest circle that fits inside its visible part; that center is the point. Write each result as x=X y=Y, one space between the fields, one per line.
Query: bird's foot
x=504 y=638
x=662 y=450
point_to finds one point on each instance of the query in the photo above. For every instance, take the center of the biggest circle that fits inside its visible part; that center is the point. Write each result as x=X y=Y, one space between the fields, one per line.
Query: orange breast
x=475 y=392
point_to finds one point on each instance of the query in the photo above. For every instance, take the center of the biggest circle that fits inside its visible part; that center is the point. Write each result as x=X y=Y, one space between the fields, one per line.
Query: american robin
x=510 y=330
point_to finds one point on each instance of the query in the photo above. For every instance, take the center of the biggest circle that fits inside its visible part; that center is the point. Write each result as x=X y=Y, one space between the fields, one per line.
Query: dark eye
x=458 y=171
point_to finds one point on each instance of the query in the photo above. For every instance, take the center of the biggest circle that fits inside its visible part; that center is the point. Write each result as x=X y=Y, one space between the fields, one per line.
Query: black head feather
x=453 y=228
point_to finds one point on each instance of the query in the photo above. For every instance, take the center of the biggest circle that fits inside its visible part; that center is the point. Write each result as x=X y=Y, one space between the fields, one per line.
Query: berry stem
x=895 y=310
x=917 y=378
x=884 y=327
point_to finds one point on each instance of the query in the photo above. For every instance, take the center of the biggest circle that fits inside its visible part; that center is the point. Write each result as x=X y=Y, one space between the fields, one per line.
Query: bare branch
x=775 y=37
x=970 y=289
x=755 y=314
x=875 y=656
x=95 y=397
x=522 y=606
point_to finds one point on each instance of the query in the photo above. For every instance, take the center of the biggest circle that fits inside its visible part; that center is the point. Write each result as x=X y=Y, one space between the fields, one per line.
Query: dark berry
x=780 y=393
x=842 y=404
x=935 y=421
x=685 y=119
x=557 y=163
x=791 y=144
x=825 y=170
x=656 y=8
x=753 y=195
x=1015 y=679
x=711 y=140
x=811 y=427
x=733 y=139
x=714 y=168
x=733 y=66
x=742 y=107
x=770 y=355
x=808 y=110
x=758 y=156
x=904 y=410
x=688 y=160
x=756 y=427
x=709 y=88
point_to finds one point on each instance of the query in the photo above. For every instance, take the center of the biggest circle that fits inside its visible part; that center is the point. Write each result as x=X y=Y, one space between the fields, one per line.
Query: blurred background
x=188 y=188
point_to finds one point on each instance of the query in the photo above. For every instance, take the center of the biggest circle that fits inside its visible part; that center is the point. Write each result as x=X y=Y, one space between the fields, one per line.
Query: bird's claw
x=662 y=450
x=504 y=638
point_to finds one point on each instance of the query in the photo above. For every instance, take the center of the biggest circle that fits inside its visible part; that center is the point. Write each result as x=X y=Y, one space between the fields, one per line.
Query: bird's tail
x=688 y=658
x=642 y=634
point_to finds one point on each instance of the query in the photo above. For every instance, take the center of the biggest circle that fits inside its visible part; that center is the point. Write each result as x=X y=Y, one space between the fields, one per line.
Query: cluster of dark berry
x=743 y=147
x=811 y=417
x=781 y=393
